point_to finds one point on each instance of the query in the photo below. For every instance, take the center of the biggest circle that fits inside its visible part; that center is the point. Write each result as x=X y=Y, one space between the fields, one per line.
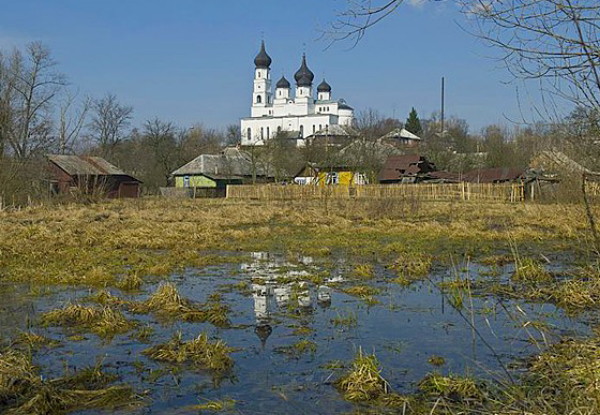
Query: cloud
x=416 y=3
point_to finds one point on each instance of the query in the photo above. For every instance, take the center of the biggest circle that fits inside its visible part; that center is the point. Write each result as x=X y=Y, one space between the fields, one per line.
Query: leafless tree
x=72 y=118
x=557 y=41
x=109 y=124
x=160 y=138
x=28 y=85
x=554 y=41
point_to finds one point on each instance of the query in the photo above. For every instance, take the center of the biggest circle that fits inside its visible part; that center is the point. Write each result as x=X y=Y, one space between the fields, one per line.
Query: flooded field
x=186 y=307
x=293 y=325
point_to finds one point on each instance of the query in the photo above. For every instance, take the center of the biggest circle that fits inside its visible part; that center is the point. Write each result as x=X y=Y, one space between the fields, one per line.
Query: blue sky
x=190 y=61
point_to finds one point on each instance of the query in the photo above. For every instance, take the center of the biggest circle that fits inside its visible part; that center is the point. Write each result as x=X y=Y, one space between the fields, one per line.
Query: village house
x=408 y=168
x=216 y=171
x=90 y=175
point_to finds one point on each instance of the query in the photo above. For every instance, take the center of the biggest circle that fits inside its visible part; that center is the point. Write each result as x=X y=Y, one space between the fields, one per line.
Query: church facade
x=298 y=116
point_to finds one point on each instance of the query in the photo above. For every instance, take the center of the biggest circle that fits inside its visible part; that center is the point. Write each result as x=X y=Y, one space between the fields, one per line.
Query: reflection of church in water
x=271 y=296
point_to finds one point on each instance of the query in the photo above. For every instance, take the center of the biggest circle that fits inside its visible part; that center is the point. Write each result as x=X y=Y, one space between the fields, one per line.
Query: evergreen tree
x=413 y=124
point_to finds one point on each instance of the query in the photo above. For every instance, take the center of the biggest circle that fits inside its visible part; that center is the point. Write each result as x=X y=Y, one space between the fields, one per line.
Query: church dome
x=283 y=83
x=304 y=76
x=262 y=60
x=324 y=87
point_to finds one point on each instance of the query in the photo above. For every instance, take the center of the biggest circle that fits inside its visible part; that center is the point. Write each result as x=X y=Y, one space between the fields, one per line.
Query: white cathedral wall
x=269 y=126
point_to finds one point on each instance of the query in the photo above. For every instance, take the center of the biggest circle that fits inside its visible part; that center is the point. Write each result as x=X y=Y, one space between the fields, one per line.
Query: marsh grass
x=348 y=319
x=364 y=292
x=130 y=282
x=298 y=349
x=364 y=271
x=24 y=392
x=226 y=404
x=530 y=271
x=35 y=341
x=200 y=352
x=363 y=383
x=168 y=303
x=105 y=321
x=454 y=388
x=106 y=298
x=302 y=331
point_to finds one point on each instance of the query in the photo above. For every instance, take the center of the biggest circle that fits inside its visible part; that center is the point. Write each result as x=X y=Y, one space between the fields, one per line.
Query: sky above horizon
x=191 y=62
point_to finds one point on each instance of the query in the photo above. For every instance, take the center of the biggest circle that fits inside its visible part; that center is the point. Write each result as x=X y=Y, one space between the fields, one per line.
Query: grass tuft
x=201 y=352
x=105 y=322
x=167 y=302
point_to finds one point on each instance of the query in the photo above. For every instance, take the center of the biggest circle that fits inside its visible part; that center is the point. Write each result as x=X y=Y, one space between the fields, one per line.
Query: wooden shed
x=84 y=174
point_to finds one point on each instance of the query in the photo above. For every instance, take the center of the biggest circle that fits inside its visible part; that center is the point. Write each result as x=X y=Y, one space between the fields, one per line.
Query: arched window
x=314 y=128
x=249 y=134
x=278 y=129
x=258 y=99
x=301 y=131
x=320 y=127
x=262 y=133
x=268 y=133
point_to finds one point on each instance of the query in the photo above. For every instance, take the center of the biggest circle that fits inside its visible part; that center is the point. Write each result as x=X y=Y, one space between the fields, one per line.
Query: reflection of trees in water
x=271 y=296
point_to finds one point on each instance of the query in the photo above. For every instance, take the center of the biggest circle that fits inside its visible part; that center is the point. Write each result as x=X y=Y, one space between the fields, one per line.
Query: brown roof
x=86 y=166
x=494 y=175
x=445 y=176
x=397 y=167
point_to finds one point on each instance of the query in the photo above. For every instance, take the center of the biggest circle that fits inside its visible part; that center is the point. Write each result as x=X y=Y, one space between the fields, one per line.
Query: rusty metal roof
x=397 y=167
x=494 y=175
x=86 y=166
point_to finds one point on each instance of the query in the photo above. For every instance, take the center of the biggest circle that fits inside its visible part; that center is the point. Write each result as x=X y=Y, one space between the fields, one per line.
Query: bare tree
x=28 y=86
x=554 y=41
x=71 y=120
x=109 y=124
x=160 y=138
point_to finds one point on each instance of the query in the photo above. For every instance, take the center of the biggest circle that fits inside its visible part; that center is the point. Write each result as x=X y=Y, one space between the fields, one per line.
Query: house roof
x=401 y=133
x=335 y=130
x=397 y=167
x=232 y=162
x=86 y=166
x=497 y=174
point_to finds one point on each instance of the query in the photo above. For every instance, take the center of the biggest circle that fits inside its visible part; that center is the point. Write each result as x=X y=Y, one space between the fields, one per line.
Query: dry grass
x=201 y=352
x=364 y=383
x=105 y=321
x=24 y=392
x=167 y=302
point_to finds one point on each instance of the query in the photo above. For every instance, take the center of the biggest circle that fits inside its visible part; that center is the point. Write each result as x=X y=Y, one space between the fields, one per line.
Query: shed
x=407 y=168
x=88 y=174
x=495 y=175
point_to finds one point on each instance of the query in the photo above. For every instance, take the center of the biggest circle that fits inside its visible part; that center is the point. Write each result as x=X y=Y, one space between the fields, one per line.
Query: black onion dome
x=262 y=60
x=324 y=87
x=283 y=83
x=304 y=76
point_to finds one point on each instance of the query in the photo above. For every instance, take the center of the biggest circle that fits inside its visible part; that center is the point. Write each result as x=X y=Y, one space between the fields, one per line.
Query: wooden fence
x=510 y=192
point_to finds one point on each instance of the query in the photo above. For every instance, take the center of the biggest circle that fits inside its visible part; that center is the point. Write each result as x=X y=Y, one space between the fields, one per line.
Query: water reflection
x=278 y=287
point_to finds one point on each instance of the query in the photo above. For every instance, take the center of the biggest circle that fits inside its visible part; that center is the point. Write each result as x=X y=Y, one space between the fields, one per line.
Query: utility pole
x=442 y=120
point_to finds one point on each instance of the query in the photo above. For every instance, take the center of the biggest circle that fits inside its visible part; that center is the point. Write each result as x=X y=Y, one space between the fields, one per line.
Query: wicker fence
x=458 y=191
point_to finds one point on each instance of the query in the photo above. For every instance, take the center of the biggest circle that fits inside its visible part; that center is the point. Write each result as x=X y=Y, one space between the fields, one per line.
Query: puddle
x=274 y=304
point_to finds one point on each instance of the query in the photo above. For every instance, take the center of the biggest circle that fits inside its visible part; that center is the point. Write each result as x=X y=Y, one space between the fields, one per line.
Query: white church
x=300 y=115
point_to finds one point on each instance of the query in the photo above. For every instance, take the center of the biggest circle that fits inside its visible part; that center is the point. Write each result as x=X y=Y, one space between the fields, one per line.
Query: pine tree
x=413 y=124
